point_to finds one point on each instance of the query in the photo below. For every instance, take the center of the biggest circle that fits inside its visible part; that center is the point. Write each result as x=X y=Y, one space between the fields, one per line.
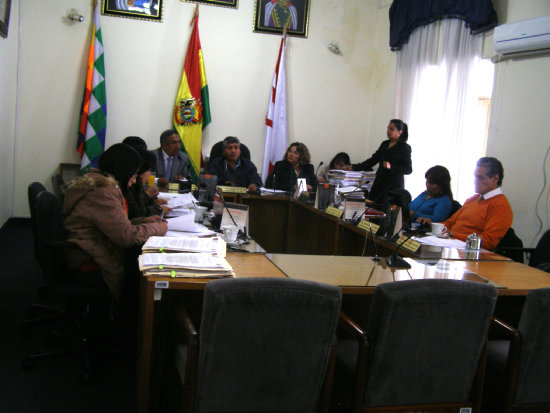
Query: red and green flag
x=93 y=115
x=192 y=109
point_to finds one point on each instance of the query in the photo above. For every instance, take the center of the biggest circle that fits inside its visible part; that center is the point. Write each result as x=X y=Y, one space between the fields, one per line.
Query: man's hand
x=252 y=188
x=163 y=181
x=178 y=177
x=424 y=221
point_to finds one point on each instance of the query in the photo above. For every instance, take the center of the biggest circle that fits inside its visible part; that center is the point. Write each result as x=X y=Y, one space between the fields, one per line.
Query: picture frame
x=232 y=4
x=271 y=15
x=134 y=9
x=5 y=6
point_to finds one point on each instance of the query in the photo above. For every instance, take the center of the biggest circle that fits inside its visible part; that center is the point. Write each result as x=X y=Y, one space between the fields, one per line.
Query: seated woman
x=435 y=203
x=296 y=164
x=97 y=219
x=142 y=199
x=340 y=161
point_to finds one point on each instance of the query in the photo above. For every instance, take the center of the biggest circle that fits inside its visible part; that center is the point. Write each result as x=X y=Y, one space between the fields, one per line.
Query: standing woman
x=394 y=159
x=97 y=221
x=296 y=164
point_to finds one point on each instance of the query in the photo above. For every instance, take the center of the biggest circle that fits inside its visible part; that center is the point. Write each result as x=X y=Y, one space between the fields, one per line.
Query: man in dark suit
x=232 y=169
x=172 y=164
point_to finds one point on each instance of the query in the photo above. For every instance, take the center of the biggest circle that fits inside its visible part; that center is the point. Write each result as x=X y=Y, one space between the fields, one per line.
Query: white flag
x=275 y=120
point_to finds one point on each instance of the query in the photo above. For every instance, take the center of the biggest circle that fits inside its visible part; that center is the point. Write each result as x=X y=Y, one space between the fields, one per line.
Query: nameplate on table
x=173 y=187
x=368 y=226
x=409 y=244
x=335 y=212
x=233 y=189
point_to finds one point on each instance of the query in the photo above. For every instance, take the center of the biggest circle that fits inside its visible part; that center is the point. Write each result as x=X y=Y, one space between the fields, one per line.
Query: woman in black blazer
x=296 y=164
x=394 y=159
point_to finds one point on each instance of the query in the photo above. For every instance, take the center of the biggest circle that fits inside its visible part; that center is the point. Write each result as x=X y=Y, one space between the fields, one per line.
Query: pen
x=161 y=215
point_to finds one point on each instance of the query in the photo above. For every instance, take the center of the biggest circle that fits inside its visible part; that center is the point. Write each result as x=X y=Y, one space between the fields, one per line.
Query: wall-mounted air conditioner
x=524 y=36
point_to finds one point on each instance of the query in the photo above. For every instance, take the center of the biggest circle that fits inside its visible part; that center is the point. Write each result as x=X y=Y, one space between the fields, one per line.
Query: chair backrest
x=49 y=229
x=217 y=151
x=508 y=246
x=541 y=254
x=455 y=206
x=532 y=383
x=32 y=192
x=426 y=340
x=265 y=344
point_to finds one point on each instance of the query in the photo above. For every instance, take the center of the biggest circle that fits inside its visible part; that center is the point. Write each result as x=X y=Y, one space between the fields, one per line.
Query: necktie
x=169 y=169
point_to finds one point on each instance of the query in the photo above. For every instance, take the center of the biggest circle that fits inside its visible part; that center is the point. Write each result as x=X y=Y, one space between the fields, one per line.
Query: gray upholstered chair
x=517 y=368
x=264 y=345
x=424 y=347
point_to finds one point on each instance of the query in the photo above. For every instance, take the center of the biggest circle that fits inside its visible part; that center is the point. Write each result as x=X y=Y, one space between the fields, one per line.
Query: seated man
x=172 y=164
x=234 y=170
x=488 y=213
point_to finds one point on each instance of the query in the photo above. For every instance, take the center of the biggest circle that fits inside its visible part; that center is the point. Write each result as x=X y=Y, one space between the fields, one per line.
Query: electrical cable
x=539 y=197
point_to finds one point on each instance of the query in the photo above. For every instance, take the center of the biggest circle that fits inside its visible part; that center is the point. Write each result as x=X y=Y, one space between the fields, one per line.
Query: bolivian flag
x=192 y=110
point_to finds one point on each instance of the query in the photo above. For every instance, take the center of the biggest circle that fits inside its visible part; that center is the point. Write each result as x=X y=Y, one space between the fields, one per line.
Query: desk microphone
x=376 y=257
x=357 y=220
x=317 y=170
x=394 y=260
x=240 y=235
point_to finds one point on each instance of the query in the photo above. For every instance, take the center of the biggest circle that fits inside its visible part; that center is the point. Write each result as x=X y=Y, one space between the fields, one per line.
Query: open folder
x=193 y=265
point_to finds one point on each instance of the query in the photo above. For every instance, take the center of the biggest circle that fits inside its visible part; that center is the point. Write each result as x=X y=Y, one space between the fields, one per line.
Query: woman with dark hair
x=436 y=202
x=340 y=162
x=142 y=199
x=295 y=164
x=394 y=159
x=97 y=219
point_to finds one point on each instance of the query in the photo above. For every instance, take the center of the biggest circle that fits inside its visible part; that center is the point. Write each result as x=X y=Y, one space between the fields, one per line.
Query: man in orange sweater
x=487 y=213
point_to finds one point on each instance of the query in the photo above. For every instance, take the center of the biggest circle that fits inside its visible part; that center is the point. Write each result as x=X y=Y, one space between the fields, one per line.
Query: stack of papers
x=192 y=265
x=213 y=245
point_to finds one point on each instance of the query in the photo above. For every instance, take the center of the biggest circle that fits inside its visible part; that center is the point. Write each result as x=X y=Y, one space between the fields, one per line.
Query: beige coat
x=97 y=222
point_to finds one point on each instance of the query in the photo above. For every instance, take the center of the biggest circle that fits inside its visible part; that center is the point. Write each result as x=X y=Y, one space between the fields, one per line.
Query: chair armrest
x=184 y=322
x=545 y=266
x=512 y=362
x=352 y=328
x=518 y=249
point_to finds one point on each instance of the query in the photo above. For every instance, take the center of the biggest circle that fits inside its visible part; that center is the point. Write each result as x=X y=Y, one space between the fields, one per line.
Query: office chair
x=423 y=350
x=38 y=314
x=517 y=367
x=76 y=297
x=217 y=151
x=455 y=206
x=511 y=246
x=538 y=257
x=264 y=345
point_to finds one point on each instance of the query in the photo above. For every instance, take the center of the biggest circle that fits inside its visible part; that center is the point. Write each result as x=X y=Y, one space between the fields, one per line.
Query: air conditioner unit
x=523 y=36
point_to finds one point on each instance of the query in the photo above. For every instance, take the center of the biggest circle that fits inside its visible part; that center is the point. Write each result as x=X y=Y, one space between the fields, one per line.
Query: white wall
x=335 y=102
x=8 y=79
x=518 y=132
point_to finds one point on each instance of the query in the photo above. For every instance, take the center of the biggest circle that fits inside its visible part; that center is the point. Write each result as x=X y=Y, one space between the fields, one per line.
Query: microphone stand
x=376 y=257
x=395 y=261
x=240 y=235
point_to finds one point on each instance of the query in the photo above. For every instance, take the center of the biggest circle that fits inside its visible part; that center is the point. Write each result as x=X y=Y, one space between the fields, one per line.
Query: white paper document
x=185 y=223
x=212 y=245
x=441 y=242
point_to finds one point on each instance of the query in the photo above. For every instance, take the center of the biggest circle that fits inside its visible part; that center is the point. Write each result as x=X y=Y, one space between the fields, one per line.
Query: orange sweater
x=489 y=218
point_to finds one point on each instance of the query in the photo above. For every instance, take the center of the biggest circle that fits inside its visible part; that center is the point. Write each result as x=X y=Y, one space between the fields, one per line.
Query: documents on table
x=267 y=191
x=441 y=242
x=179 y=200
x=212 y=245
x=185 y=223
x=193 y=265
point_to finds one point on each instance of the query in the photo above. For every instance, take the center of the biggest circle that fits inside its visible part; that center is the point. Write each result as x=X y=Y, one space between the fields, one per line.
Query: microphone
x=240 y=235
x=358 y=219
x=317 y=170
x=395 y=261
x=376 y=257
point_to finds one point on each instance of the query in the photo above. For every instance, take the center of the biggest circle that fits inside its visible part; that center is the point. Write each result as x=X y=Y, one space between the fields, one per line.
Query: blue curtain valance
x=407 y=15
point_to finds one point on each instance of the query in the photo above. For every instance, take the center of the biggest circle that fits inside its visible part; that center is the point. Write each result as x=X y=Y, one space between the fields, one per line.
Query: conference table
x=305 y=243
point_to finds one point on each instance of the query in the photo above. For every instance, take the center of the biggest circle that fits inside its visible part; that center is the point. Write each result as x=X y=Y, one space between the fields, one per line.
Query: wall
x=334 y=102
x=8 y=85
x=518 y=132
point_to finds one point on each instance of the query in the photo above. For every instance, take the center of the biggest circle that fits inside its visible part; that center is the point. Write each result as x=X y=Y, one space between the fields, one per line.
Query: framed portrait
x=223 y=3
x=271 y=16
x=4 y=17
x=134 y=9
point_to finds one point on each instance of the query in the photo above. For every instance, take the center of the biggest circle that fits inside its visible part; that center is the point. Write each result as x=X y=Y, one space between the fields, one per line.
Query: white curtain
x=441 y=82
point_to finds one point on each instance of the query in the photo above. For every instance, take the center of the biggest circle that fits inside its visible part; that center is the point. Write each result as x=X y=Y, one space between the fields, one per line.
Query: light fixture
x=74 y=16
x=334 y=48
